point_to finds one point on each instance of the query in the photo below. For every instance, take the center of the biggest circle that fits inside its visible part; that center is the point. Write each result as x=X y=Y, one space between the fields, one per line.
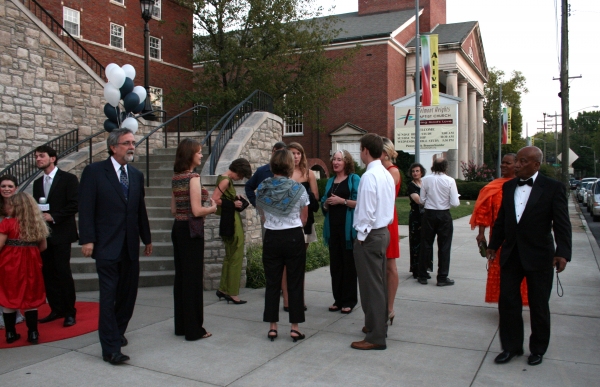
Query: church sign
x=438 y=127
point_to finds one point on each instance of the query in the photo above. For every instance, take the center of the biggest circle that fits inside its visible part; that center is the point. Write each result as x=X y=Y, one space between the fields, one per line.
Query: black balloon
x=130 y=102
x=112 y=113
x=140 y=107
x=109 y=126
x=126 y=88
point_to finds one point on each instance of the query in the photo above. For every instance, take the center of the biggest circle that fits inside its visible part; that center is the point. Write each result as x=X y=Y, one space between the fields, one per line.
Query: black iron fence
x=228 y=124
x=57 y=28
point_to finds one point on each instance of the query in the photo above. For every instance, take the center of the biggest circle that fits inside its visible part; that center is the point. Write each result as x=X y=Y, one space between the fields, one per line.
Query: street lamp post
x=147 y=11
x=593 y=150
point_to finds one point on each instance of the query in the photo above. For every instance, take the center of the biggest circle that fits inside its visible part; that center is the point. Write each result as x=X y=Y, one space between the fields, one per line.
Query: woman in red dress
x=22 y=236
x=484 y=215
x=388 y=157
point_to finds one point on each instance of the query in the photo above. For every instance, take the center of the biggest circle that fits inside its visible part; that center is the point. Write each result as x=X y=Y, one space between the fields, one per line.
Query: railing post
x=178 y=130
x=147 y=162
x=90 y=150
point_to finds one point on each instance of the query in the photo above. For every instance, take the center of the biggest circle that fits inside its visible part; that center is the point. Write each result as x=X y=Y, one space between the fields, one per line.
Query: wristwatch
x=345 y=202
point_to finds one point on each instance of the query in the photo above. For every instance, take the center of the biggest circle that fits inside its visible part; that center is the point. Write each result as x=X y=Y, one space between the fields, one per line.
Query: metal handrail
x=24 y=167
x=57 y=28
x=257 y=101
x=164 y=126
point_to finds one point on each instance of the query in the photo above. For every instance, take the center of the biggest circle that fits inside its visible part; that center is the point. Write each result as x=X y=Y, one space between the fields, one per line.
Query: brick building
x=113 y=31
x=383 y=71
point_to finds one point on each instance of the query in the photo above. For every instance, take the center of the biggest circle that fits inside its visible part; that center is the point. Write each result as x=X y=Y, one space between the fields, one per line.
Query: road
x=593 y=226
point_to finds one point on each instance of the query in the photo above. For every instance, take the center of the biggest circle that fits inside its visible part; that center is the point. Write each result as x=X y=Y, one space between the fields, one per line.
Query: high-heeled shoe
x=11 y=337
x=299 y=337
x=270 y=336
x=237 y=302
x=220 y=294
x=391 y=317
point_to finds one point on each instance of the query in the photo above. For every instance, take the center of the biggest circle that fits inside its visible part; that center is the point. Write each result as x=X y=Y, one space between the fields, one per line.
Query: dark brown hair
x=373 y=143
x=185 y=154
x=439 y=165
x=282 y=163
x=416 y=165
x=241 y=167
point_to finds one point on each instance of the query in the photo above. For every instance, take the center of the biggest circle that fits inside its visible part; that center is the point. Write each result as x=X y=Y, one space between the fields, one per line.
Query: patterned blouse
x=181 y=192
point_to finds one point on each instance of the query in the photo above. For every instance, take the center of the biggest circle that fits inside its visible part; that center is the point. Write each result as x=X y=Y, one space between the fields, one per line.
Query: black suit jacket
x=63 y=206
x=106 y=218
x=546 y=210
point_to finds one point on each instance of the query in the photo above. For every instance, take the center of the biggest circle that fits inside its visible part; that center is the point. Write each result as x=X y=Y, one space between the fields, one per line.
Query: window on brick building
x=294 y=124
x=118 y=1
x=156 y=12
x=156 y=98
x=71 y=21
x=155 y=48
x=117 y=36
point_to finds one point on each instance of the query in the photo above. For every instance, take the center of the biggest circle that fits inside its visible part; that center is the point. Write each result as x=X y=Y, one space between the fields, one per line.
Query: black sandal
x=334 y=308
x=272 y=337
x=299 y=337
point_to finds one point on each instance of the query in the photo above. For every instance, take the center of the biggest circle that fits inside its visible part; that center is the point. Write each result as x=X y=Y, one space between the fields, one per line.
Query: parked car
x=586 y=189
x=573 y=183
x=590 y=196
x=583 y=188
x=594 y=201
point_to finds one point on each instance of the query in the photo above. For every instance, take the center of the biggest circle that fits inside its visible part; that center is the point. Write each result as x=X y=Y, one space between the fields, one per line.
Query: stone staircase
x=158 y=269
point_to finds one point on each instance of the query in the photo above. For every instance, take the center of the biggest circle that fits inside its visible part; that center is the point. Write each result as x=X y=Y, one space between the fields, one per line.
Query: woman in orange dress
x=22 y=236
x=484 y=215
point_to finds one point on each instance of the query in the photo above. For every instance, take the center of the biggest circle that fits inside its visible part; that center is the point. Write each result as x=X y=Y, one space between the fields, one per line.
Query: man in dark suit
x=532 y=207
x=112 y=219
x=59 y=188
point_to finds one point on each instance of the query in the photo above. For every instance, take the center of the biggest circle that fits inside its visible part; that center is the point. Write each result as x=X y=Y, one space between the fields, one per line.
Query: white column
x=480 y=142
x=410 y=84
x=472 y=106
x=452 y=83
x=463 y=123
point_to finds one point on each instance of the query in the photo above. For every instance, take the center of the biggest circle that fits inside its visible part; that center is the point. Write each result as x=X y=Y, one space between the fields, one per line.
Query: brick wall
x=174 y=29
x=434 y=10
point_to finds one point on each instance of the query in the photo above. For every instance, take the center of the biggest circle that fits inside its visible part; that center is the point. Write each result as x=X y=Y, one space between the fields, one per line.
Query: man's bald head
x=528 y=163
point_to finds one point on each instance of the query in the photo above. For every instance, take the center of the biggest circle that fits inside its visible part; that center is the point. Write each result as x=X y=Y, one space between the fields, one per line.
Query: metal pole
x=564 y=92
x=500 y=131
x=544 y=155
x=555 y=139
x=417 y=86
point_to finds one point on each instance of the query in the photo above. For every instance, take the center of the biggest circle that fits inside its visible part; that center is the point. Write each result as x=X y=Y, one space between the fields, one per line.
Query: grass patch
x=403 y=208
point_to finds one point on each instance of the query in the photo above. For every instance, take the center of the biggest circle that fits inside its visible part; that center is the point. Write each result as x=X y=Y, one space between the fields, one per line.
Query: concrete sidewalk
x=441 y=336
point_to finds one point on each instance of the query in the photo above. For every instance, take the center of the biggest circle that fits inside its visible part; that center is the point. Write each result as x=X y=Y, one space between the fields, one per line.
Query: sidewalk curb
x=591 y=238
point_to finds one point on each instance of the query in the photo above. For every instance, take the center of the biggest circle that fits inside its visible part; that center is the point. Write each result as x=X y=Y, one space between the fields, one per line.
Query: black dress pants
x=188 y=288
x=58 y=279
x=284 y=248
x=344 y=283
x=118 y=290
x=436 y=222
x=510 y=305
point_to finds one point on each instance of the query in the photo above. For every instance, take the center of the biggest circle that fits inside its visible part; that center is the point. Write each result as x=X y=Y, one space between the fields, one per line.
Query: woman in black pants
x=188 y=241
x=282 y=203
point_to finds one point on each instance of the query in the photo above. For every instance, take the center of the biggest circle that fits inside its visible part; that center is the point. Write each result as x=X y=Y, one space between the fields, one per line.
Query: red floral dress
x=21 y=280
x=485 y=213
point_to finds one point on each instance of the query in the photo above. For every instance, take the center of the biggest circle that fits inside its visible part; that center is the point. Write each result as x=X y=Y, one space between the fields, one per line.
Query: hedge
x=469 y=189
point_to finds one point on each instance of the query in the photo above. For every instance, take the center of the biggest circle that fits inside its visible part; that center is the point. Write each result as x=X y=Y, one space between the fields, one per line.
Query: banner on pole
x=506 y=125
x=430 y=71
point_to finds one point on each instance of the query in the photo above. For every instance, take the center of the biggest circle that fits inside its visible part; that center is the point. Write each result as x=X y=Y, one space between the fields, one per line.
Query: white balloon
x=112 y=94
x=129 y=71
x=109 y=68
x=131 y=124
x=141 y=92
x=116 y=77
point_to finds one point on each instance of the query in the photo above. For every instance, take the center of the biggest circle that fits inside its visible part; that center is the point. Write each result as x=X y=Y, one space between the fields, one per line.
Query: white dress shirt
x=376 y=200
x=48 y=179
x=522 y=196
x=439 y=192
x=117 y=167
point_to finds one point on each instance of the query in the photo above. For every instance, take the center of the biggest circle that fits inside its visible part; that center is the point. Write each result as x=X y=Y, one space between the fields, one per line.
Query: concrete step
x=165 y=151
x=161 y=223
x=83 y=265
x=159 y=249
x=153 y=166
x=85 y=282
x=159 y=201
x=158 y=191
x=164 y=158
x=159 y=211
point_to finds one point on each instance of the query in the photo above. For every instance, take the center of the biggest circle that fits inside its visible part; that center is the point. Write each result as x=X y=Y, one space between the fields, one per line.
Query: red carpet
x=87 y=321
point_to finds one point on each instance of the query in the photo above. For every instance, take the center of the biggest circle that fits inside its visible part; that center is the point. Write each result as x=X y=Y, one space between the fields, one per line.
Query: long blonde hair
x=303 y=164
x=32 y=226
x=388 y=148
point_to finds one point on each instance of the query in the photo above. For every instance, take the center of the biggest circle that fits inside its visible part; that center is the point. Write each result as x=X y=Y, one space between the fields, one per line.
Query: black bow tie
x=529 y=182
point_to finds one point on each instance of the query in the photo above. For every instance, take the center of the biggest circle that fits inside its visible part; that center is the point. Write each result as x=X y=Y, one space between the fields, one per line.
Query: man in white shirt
x=373 y=213
x=439 y=193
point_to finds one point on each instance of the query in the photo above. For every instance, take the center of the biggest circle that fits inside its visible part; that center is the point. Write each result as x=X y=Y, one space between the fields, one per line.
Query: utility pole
x=544 y=153
x=417 y=86
x=500 y=118
x=556 y=135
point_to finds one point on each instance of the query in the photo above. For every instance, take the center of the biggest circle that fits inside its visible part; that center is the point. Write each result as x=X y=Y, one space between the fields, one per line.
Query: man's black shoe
x=51 y=317
x=69 y=321
x=115 y=358
x=422 y=281
x=506 y=356
x=534 y=360
x=446 y=282
x=124 y=341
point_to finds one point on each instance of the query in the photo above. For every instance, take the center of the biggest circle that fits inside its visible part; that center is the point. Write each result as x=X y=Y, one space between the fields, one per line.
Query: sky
x=522 y=35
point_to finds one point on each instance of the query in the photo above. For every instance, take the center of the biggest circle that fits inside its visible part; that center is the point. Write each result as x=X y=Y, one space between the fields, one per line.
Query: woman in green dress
x=229 y=203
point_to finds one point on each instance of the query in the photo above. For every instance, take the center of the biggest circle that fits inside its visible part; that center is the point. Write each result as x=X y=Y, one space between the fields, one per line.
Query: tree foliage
x=276 y=46
x=585 y=131
x=511 y=97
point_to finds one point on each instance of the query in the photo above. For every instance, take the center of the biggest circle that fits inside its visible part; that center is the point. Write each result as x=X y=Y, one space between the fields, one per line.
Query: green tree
x=511 y=97
x=585 y=132
x=277 y=46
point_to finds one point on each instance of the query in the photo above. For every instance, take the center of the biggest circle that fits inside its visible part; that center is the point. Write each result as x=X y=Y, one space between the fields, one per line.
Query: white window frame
x=158 y=48
x=293 y=124
x=156 y=102
x=67 y=15
x=119 y=2
x=157 y=12
x=122 y=36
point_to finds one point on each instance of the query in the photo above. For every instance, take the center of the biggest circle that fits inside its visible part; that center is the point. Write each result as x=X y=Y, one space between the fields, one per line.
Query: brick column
x=463 y=123
x=452 y=155
x=452 y=83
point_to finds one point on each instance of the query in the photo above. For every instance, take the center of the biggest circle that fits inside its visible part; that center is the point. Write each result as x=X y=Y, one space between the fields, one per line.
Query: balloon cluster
x=120 y=87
